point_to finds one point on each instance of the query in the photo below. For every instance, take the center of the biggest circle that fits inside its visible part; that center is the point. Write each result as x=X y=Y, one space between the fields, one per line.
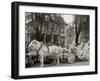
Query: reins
x=41 y=47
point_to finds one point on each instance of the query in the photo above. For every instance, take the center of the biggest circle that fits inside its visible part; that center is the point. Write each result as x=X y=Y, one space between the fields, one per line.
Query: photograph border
x=15 y=39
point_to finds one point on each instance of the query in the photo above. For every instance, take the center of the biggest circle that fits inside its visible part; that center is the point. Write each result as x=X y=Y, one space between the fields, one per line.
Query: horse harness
x=41 y=47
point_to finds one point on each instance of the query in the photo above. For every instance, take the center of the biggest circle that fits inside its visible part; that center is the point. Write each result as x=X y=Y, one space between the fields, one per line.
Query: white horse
x=45 y=51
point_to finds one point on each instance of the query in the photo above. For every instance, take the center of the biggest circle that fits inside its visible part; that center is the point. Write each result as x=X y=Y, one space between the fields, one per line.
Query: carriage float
x=80 y=52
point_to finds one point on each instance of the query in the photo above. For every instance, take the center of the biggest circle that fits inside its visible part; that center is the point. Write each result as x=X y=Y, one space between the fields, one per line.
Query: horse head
x=34 y=45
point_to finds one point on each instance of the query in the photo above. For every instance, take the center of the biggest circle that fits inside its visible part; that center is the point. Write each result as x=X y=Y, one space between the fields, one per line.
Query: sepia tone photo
x=53 y=39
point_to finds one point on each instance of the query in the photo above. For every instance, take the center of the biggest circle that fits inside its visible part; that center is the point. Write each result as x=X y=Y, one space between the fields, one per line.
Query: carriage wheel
x=71 y=58
x=63 y=59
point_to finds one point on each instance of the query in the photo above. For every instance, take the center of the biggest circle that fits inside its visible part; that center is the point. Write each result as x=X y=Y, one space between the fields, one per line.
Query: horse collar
x=39 y=48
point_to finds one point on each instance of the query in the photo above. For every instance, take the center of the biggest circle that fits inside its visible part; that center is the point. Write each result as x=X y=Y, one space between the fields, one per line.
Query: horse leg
x=57 y=60
x=42 y=61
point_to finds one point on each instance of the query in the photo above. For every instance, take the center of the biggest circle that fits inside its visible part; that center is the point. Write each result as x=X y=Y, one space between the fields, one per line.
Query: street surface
x=61 y=64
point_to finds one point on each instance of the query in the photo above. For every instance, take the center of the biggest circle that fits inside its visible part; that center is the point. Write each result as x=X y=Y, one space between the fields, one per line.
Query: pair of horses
x=44 y=50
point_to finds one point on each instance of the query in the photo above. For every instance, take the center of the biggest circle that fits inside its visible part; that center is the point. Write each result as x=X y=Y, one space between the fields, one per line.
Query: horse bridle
x=39 y=48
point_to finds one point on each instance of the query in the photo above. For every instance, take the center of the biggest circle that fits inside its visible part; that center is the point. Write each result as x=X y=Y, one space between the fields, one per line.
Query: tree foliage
x=43 y=23
x=81 y=25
